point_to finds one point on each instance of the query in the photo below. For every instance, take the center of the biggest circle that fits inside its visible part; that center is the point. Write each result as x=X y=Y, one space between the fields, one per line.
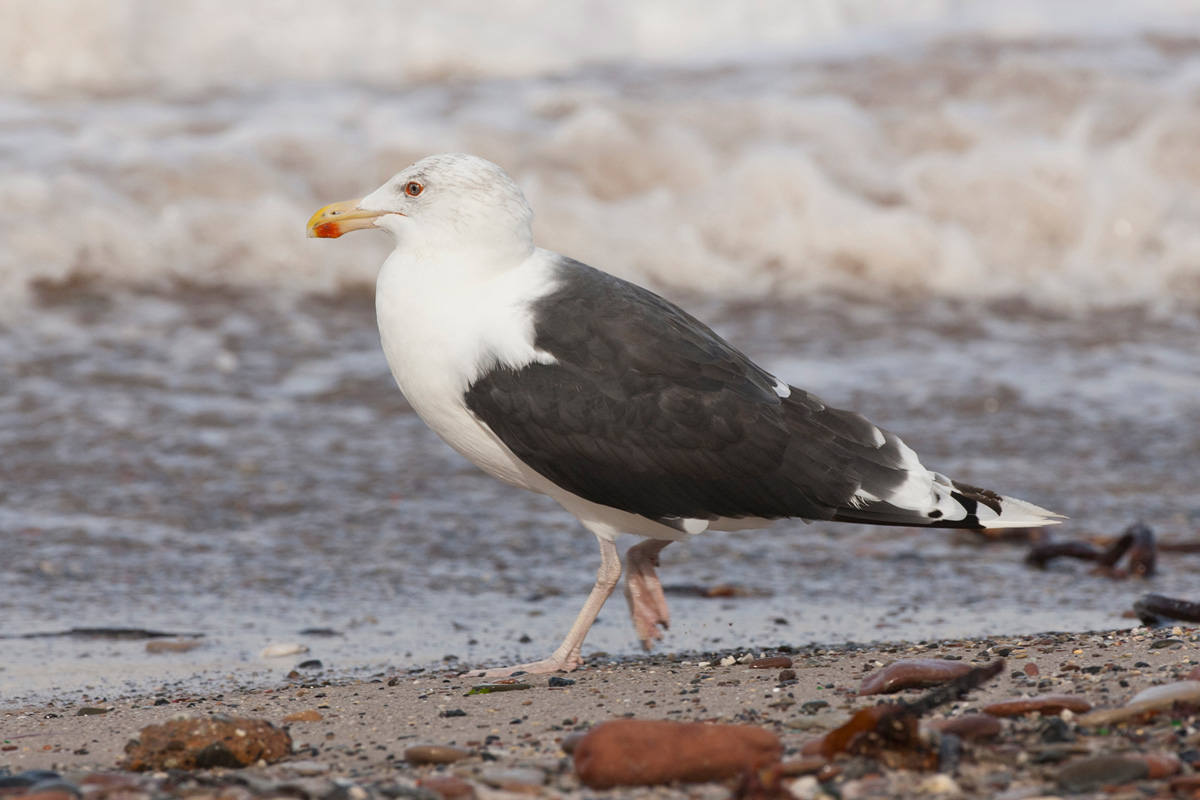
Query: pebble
x=558 y=682
x=1092 y=773
x=282 y=649
x=569 y=743
x=774 y=662
x=434 y=754
x=969 y=727
x=449 y=787
x=92 y=711
x=912 y=674
x=1161 y=765
x=633 y=752
x=1045 y=704
x=308 y=715
x=939 y=785
x=307 y=768
x=525 y=780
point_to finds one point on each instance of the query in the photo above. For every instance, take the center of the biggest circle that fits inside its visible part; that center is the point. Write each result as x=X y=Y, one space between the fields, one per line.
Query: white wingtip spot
x=782 y=389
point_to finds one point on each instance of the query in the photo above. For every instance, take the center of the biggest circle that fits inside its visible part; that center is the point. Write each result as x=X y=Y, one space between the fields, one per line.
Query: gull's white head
x=446 y=202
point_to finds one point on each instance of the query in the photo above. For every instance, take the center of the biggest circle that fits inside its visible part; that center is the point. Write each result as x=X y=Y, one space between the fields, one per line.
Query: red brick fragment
x=633 y=752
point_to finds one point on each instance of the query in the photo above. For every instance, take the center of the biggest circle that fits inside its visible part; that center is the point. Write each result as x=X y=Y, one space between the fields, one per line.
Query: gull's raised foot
x=644 y=592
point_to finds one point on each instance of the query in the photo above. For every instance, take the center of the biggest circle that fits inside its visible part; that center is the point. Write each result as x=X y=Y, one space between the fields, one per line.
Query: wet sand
x=366 y=724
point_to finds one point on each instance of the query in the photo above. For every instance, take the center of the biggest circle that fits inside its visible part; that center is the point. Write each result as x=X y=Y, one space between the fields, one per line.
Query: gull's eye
x=412 y=188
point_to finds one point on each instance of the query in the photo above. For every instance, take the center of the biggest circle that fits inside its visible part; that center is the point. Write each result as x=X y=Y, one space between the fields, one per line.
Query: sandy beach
x=360 y=730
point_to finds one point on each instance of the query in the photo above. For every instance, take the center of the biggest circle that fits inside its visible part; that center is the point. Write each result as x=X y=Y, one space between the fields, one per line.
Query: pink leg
x=569 y=655
x=643 y=590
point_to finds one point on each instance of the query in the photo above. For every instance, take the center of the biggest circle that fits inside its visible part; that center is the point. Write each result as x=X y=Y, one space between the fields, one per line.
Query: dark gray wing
x=647 y=410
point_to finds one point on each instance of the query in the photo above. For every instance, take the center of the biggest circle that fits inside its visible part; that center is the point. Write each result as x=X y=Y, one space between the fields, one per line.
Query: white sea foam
x=869 y=147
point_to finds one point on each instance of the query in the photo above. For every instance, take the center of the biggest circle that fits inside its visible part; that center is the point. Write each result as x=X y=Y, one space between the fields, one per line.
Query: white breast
x=439 y=334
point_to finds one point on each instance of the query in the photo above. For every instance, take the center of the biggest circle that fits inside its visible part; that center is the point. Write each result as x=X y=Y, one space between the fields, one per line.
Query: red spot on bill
x=327 y=230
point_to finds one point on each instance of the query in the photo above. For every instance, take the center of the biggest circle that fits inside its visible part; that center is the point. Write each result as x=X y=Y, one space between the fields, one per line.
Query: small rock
x=524 y=780
x=1186 y=783
x=312 y=663
x=1092 y=773
x=282 y=649
x=434 y=754
x=1046 y=704
x=813 y=706
x=912 y=674
x=939 y=786
x=569 y=743
x=558 y=682
x=1161 y=765
x=452 y=712
x=969 y=727
x=449 y=787
x=786 y=675
x=50 y=794
x=1164 y=643
x=774 y=662
x=308 y=715
x=633 y=752
x=92 y=711
x=202 y=743
x=307 y=769
x=1031 y=669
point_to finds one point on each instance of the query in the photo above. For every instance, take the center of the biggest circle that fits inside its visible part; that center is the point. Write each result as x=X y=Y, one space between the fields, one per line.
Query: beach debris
x=434 y=754
x=158 y=646
x=917 y=673
x=1154 y=609
x=1044 y=704
x=763 y=784
x=1138 y=541
x=1156 y=698
x=121 y=634
x=308 y=715
x=634 y=752
x=498 y=686
x=204 y=743
x=283 y=649
x=890 y=733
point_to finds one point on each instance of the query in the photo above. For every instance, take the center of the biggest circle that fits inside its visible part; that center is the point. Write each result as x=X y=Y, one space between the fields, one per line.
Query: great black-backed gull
x=558 y=378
